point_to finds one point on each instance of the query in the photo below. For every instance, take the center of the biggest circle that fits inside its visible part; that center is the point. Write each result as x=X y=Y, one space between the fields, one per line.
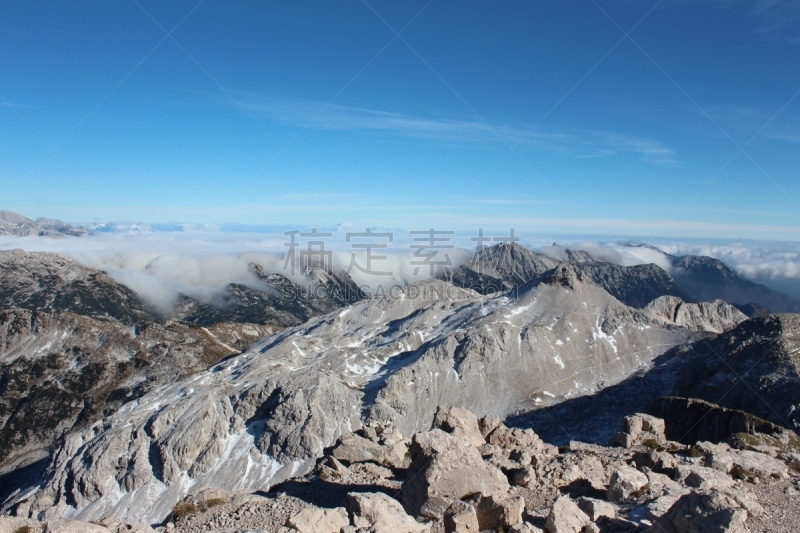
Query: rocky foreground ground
x=475 y=475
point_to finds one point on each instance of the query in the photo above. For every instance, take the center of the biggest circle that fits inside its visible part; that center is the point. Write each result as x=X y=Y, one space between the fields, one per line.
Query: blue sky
x=539 y=115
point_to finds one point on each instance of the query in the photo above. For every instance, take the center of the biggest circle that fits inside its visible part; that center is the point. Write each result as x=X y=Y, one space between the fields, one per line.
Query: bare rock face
x=445 y=469
x=63 y=371
x=716 y=316
x=75 y=345
x=40 y=281
x=512 y=263
x=761 y=353
x=634 y=285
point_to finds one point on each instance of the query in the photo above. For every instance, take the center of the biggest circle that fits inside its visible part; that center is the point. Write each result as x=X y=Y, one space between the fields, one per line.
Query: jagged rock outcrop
x=716 y=316
x=718 y=423
x=512 y=263
x=445 y=469
x=262 y=416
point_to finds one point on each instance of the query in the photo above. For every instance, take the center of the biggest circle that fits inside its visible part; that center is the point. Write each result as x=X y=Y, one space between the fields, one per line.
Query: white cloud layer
x=160 y=265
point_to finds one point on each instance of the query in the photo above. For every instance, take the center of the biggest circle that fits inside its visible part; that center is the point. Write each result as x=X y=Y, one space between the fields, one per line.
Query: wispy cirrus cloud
x=777 y=19
x=334 y=117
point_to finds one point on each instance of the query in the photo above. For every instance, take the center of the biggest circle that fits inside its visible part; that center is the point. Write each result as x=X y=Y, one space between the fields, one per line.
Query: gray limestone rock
x=445 y=469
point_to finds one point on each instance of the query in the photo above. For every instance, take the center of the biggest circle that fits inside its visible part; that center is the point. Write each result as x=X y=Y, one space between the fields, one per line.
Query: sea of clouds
x=159 y=265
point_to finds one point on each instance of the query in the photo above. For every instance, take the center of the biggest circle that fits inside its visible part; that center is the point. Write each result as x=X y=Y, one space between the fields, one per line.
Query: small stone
x=461 y=517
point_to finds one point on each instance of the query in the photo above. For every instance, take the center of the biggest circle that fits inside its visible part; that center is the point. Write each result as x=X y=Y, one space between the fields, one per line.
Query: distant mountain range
x=499 y=268
x=694 y=278
x=20 y=226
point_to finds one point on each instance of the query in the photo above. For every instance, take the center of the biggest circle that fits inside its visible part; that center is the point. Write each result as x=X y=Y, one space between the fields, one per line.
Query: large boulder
x=12 y=524
x=747 y=464
x=375 y=511
x=702 y=512
x=460 y=423
x=596 y=509
x=626 y=482
x=566 y=517
x=702 y=477
x=355 y=449
x=639 y=429
x=444 y=469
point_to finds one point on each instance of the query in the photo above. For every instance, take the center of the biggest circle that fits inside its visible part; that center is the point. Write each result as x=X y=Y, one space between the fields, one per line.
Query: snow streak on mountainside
x=753 y=367
x=75 y=344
